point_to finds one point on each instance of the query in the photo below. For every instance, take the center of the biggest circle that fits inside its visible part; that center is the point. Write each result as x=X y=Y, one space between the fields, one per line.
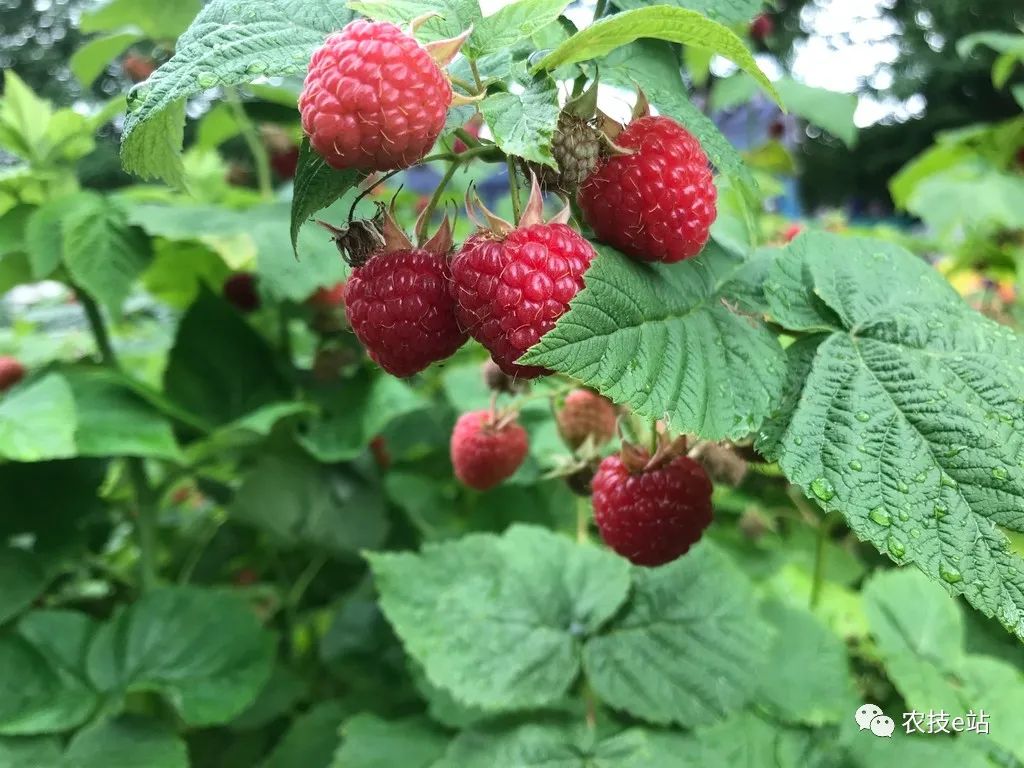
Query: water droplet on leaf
x=823 y=489
x=880 y=516
x=949 y=574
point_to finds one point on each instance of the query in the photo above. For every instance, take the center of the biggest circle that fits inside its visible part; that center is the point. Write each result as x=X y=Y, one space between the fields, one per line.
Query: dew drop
x=940 y=511
x=920 y=477
x=256 y=67
x=949 y=574
x=856 y=466
x=862 y=416
x=904 y=515
x=823 y=489
x=915 y=533
x=947 y=481
x=895 y=547
x=880 y=516
x=798 y=440
x=1000 y=473
x=206 y=79
x=902 y=487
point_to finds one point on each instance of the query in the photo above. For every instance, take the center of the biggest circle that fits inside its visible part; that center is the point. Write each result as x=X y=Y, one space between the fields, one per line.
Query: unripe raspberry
x=585 y=414
x=11 y=372
x=658 y=203
x=652 y=516
x=486 y=450
x=240 y=292
x=576 y=148
x=374 y=98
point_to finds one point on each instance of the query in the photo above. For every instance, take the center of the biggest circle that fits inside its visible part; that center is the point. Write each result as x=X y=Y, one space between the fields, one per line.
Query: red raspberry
x=652 y=517
x=327 y=298
x=762 y=28
x=11 y=372
x=472 y=127
x=137 y=67
x=586 y=414
x=511 y=289
x=381 y=454
x=658 y=203
x=791 y=232
x=240 y=292
x=399 y=306
x=486 y=450
x=374 y=98
x=285 y=162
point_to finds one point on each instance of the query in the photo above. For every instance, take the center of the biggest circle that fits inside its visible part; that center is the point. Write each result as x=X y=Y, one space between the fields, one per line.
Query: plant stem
x=305 y=578
x=476 y=75
x=513 y=188
x=819 y=565
x=252 y=139
x=145 y=500
x=428 y=212
x=599 y=9
x=467 y=138
x=582 y=520
x=654 y=436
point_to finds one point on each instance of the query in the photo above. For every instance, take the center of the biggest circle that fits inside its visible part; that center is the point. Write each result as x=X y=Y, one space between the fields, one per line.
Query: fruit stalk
x=252 y=140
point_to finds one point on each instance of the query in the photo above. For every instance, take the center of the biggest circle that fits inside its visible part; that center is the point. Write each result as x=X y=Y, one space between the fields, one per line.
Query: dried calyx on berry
x=511 y=282
x=398 y=301
x=360 y=238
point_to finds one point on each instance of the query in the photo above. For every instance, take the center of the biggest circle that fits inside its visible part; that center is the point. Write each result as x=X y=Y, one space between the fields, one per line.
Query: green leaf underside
x=905 y=413
x=523 y=124
x=687 y=646
x=204 y=651
x=229 y=43
x=496 y=620
x=669 y=341
x=676 y=25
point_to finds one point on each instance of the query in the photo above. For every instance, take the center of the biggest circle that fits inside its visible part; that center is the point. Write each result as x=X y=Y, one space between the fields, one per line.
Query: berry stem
x=467 y=138
x=599 y=9
x=513 y=187
x=654 y=436
x=428 y=212
x=252 y=140
x=476 y=76
x=582 y=520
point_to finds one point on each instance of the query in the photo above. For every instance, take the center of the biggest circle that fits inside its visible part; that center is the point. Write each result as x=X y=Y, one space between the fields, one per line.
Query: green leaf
x=33 y=752
x=687 y=646
x=62 y=638
x=37 y=421
x=282 y=694
x=359 y=409
x=204 y=651
x=24 y=117
x=826 y=109
x=103 y=254
x=230 y=42
x=311 y=740
x=22 y=580
x=372 y=742
x=531 y=594
x=676 y=25
x=909 y=420
x=90 y=61
x=114 y=421
x=523 y=124
x=727 y=12
x=512 y=24
x=669 y=340
x=300 y=501
x=920 y=635
x=456 y=16
x=968 y=199
x=807 y=677
x=179 y=269
x=44 y=231
x=157 y=19
x=128 y=742
x=316 y=186
x=33 y=695
x=537 y=745
x=654 y=66
x=224 y=375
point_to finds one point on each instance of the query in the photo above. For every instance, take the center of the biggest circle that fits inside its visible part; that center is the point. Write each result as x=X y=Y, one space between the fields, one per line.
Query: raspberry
x=137 y=67
x=652 y=516
x=576 y=148
x=240 y=292
x=791 y=232
x=399 y=306
x=512 y=284
x=658 y=203
x=11 y=372
x=374 y=98
x=327 y=298
x=762 y=27
x=586 y=414
x=472 y=127
x=486 y=450
x=285 y=162
x=381 y=454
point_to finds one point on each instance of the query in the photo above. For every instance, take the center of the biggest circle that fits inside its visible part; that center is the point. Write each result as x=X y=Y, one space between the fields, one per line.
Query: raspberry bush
x=412 y=406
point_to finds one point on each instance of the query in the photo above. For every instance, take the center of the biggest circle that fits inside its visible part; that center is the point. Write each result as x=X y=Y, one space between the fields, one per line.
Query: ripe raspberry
x=486 y=450
x=137 y=67
x=791 y=232
x=658 y=203
x=381 y=454
x=472 y=127
x=652 y=517
x=762 y=27
x=240 y=292
x=327 y=298
x=285 y=162
x=586 y=414
x=512 y=284
x=374 y=98
x=11 y=372
x=400 y=308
